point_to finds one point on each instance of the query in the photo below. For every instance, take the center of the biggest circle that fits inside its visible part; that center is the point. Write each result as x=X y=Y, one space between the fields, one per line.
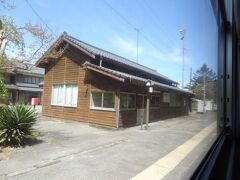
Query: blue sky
x=159 y=20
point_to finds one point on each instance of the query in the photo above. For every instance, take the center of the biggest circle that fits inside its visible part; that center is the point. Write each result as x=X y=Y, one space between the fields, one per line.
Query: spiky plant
x=16 y=124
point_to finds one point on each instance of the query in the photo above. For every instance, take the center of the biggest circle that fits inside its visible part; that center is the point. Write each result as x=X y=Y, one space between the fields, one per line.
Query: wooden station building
x=89 y=84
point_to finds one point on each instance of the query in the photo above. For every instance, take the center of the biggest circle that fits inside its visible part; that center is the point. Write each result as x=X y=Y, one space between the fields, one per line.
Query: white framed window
x=64 y=95
x=127 y=101
x=102 y=100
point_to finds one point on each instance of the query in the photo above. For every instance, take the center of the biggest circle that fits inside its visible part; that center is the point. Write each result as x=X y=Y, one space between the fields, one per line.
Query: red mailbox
x=35 y=101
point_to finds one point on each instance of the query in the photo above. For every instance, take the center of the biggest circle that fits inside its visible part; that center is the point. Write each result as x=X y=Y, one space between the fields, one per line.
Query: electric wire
x=38 y=15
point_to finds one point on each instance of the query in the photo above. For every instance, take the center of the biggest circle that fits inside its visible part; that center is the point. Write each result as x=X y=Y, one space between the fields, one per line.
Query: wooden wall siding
x=133 y=89
x=167 y=112
x=73 y=73
x=100 y=82
x=68 y=71
x=127 y=118
x=103 y=83
x=46 y=109
x=58 y=74
x=64 y=71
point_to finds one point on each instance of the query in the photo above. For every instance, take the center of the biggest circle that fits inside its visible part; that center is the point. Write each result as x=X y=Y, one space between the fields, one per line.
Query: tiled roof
x=15 y=87
x=19 y=84
x=11 y=86
x=25 y=67
x=30 y=68
x=106 y=54
x=136 y=78
x=30 y=89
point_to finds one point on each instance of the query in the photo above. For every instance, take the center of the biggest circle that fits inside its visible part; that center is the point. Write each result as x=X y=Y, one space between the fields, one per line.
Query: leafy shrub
x=3 y=89
x=16 y=123
x=1 y=105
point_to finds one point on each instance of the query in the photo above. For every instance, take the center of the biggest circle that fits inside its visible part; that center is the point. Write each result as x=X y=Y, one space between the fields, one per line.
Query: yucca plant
x=16 y=124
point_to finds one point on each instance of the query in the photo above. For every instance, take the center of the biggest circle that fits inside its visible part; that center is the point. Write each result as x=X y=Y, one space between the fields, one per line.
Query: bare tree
x=14 y=46
x=12 y=39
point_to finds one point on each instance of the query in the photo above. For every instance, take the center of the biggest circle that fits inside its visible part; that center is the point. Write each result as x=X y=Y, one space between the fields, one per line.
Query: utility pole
x=147 y=109
x=204 y=91
x=137 y=30
x=182 y=32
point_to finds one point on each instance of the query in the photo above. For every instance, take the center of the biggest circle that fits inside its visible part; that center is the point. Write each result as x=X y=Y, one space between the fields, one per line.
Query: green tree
x=3 y=89
x=204 y=71
x=204 y=82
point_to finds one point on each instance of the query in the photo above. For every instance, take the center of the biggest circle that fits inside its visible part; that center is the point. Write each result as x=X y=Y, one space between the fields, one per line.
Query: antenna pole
x=183 y=32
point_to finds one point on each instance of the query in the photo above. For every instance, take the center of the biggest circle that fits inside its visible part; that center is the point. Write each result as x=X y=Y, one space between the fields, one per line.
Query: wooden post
x=142 y=118
x=147 y=109
x=117 y=108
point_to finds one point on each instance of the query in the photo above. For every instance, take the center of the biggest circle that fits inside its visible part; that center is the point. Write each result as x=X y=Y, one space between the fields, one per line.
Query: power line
x=120 y=15
x=131 y=25
x=127 y=22
x=37 y=14
x=150 y=42
x=161 y=27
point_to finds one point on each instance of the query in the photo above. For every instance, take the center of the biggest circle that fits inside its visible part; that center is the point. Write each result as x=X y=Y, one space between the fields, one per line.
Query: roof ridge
x=122 y=74
x=67 y=35
x=134 y=64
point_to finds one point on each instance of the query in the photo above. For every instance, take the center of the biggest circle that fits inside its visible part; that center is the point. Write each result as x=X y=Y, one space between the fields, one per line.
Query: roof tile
x=100 y=52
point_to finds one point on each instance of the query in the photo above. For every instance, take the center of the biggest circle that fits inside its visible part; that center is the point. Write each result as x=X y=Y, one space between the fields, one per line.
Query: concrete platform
x=73 y=150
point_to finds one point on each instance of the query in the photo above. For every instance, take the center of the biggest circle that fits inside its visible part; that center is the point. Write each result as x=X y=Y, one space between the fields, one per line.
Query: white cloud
x=174 y=56
x=127 y=45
